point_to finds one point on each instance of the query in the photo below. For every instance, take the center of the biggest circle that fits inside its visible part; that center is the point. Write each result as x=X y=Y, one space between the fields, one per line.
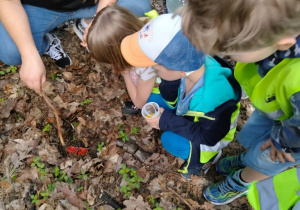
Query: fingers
x=37 y=88
x=280 y=157
x=83 y=43
x=289 y=157
x=273 y=154
x=265 y=145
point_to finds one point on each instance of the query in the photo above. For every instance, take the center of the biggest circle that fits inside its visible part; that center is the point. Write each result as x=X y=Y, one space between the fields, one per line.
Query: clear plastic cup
x=150 y=110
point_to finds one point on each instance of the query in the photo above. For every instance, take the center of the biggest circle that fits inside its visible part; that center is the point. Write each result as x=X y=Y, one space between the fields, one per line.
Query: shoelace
x=236 y=161
x=55 y=50
x=225 y=187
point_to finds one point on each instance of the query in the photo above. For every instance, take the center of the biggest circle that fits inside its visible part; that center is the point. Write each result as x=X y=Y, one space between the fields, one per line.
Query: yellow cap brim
x=132 y=52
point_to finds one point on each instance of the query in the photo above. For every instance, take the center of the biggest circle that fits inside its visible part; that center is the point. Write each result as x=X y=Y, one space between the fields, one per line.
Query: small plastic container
x=150 y=110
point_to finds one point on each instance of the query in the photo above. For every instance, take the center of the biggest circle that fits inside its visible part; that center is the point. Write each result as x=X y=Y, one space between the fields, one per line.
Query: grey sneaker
x=79 y=29
x=56 y=52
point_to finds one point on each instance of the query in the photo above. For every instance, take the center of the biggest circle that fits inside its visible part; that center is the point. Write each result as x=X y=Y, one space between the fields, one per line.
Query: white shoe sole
x=77 y=32
x=229 y=201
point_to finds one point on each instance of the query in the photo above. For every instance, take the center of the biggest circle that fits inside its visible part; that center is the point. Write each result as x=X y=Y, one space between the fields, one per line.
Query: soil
x=88 y=97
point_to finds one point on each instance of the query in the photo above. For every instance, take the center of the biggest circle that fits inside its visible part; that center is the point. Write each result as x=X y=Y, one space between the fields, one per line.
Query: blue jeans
x=254 y=134
x=43 y=20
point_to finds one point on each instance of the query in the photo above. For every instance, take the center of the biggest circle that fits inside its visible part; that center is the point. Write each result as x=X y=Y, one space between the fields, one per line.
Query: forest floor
x=102 y=146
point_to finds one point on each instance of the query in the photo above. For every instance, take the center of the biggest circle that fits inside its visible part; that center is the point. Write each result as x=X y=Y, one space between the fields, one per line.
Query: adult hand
x=154 y=122
x=275 y=153
x=33 y=73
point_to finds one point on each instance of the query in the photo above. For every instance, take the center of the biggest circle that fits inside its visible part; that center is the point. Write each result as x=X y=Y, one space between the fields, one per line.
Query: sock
x=237 y=176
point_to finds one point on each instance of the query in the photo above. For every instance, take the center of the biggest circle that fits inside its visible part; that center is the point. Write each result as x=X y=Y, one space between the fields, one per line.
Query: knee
x=166 y=139
x=11 y=56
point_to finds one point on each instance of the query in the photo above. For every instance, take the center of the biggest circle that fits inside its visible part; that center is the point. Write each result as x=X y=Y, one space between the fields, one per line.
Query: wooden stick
x=48 y=102
x=181 y=198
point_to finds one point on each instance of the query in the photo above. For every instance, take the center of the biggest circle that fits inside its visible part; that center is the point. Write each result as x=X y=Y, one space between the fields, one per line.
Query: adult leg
x=41 y=22
x=136 y=7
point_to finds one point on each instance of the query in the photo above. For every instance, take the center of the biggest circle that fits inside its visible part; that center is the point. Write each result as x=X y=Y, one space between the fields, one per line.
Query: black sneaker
x=197 y=171
x=130 y=108
x=56 y=52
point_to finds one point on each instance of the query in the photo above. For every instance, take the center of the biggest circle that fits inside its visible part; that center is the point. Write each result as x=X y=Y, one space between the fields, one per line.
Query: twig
x=48 y=102
x=181 y=198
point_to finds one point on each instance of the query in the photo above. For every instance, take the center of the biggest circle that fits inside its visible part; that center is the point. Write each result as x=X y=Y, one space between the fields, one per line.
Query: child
x=107 y=30
x=206 y=102
x=264 y=34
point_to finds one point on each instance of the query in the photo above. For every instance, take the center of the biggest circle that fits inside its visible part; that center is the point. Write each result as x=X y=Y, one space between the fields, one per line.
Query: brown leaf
x=9 y=105
x=48 y=88
x=136 y=204
x=67 y=75
x=71 y=197
x=50 y=154
x=28 y=174
x=4 y=184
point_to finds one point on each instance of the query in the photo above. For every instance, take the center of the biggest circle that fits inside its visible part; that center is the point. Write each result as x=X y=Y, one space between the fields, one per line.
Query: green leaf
x=137 y=185
x=2 y=73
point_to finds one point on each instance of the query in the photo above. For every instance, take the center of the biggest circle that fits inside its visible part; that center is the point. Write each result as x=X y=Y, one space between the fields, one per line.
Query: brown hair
x=235 y=25
x=110 y=26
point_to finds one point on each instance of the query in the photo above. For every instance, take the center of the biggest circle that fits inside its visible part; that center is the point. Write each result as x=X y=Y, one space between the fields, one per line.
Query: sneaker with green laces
x=231 y=163
x=226 y=191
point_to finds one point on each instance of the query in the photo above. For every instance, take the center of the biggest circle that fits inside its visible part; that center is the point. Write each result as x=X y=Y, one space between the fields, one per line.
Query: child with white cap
x=206 y=98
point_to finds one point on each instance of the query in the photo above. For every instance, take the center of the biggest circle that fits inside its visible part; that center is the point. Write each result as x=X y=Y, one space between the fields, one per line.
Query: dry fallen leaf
x=136 y=204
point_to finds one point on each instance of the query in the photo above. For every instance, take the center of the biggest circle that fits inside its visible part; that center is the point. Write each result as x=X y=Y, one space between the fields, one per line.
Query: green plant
x=8 y=70
x=75 y=124
x=87 y=205
x=133 y=180
x=87 y=101
x=83 y=175
x=79 y=189
x=34 y=199
x=40 y=166
x=155 y=203
x=135 y=130
x=120 y=127
x=2 y=99
x=61 y=175
x=54 y=76
x=51 y=187
x=19 y=117
x=123 y=136
x=100 y=146
x=46 y=128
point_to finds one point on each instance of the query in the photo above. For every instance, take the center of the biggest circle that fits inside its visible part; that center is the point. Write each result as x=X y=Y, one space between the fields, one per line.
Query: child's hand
x=154 y=122
x=275 y=153
x=83 y=43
